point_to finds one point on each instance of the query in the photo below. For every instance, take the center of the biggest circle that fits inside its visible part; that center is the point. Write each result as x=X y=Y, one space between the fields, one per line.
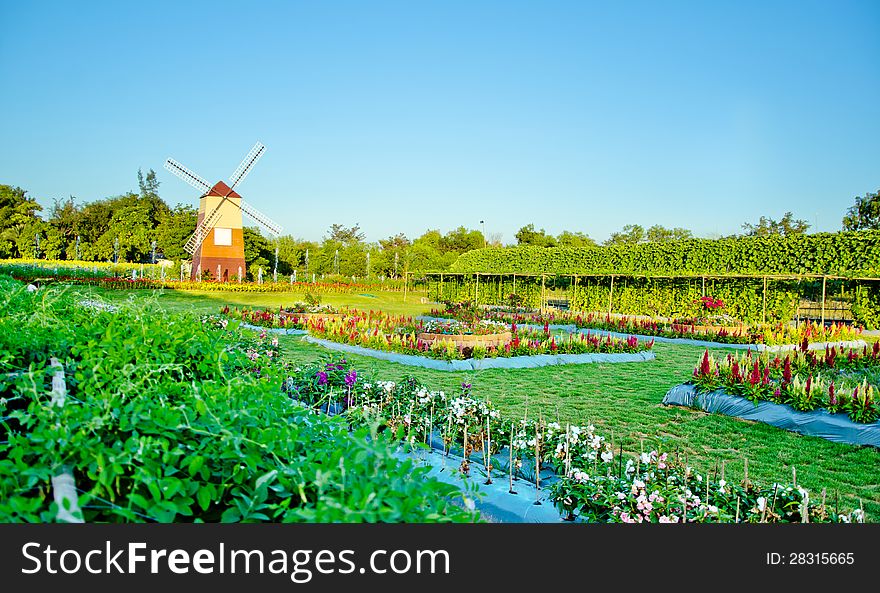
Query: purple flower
x=322 y=378
x=351 y=378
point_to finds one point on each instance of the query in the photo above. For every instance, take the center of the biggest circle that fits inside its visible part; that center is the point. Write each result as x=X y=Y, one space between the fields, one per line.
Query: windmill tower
x=218 y=241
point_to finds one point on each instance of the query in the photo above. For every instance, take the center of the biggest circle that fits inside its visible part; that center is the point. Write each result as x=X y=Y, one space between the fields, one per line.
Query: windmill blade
x=188 y=176
x=246 y=165
x=202 y=230
x=270 y=225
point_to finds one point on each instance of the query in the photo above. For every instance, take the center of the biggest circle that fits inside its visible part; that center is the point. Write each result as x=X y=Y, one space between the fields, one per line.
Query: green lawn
x=622 y=399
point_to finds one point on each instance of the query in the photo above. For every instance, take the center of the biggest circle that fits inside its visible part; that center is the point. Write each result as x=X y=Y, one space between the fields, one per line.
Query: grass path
x=623 y=400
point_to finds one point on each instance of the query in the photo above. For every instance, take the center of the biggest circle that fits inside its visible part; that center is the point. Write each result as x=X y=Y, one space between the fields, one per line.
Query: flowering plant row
x=835 y=381
x=399 y=334
x=594 y=483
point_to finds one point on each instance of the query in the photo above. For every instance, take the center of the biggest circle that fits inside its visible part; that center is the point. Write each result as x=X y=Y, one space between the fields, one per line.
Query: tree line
x=141 y=227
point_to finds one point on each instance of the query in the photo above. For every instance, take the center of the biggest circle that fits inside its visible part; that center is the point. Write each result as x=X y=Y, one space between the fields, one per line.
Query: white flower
x=721 y=484
x=645 y=458
x=607 y=456
x=713 y=509
x=762 y=503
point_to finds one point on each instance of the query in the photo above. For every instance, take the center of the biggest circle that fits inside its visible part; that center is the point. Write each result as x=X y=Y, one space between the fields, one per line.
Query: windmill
x=218 y=241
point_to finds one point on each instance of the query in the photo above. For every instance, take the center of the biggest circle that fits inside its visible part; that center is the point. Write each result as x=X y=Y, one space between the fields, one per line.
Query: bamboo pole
x=510 y=465
x=543 y=291
x=611 y=296
x=764 y=305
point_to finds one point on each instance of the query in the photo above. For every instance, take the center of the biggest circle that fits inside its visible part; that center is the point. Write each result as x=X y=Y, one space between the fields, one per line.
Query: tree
x=864 y=214
x=18 y=214
x=631 y=234
x=258 y=252
x=660 y=234
x=460 y=240
x=345 y=235
x=148 y=185
x=785 y=227
x=174 y=228
x=527 y=235
x=574 y=239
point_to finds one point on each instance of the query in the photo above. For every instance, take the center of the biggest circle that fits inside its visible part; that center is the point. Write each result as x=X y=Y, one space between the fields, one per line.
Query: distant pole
x=824 y=278
x=764 y=304
x=405 y=285
x=396 y=257
x=275 y=270
x=611 y=296
x=77 y=249
x=116 y=250
x=368 y=265
x=153 y=255
x=307 y=262
x=485 y=241
x=37 y=246
x=336 y=262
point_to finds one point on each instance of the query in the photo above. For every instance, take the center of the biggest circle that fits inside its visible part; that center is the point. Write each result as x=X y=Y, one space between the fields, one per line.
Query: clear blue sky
x=404 y=116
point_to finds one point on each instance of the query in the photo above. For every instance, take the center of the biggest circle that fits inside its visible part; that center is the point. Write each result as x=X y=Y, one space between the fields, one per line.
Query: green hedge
x=845 y=254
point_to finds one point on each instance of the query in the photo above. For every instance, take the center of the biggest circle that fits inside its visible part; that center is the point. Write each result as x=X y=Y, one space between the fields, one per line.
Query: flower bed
x=589 y=480
x=837 y=381
x=387 y=333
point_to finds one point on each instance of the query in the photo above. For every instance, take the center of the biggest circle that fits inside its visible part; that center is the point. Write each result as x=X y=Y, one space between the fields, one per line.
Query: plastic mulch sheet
x=819 y=423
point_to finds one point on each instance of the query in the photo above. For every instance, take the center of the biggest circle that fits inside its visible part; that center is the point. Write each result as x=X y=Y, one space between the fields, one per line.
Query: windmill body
x=218 y=241
x=223 y=245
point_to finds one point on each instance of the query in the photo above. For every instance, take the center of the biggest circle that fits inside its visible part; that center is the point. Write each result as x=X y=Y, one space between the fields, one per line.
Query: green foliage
x=864 y=214
x=171 y=418
x=767 y=227
x=846 y=254
x=680 y=297
x=18 y=214
x=527 y=235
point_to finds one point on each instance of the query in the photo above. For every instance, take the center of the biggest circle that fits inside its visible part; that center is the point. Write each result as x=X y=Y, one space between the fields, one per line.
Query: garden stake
x=736 y=519
x=487 y=453
x=465 y=465
x=510 y=467
x=794 y=476
x=537 y=466
x=567 y=453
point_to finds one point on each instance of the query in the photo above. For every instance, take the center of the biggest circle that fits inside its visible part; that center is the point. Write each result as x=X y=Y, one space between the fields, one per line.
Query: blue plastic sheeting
x=495 y=502
x=515 y=362
x=819 y=423
x=710 y=344
x=275 y=330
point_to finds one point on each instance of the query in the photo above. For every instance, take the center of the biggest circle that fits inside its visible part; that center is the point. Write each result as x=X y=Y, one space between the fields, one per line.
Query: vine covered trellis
x=748 y=298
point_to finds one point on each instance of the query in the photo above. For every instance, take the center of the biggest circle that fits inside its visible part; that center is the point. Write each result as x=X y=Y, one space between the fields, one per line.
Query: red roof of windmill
x=222 y=190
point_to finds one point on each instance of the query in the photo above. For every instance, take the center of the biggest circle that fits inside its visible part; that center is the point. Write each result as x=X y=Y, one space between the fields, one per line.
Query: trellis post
x=824 y=278
x=611 y=295
x=542 y=293
x=764 y=305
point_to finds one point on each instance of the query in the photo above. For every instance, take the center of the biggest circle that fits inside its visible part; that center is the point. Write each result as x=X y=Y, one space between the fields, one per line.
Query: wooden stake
x=794 y=476
x=537 y=465
x=736 y=518
x=510 y=466
x=567 y=452
x=487 y=455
